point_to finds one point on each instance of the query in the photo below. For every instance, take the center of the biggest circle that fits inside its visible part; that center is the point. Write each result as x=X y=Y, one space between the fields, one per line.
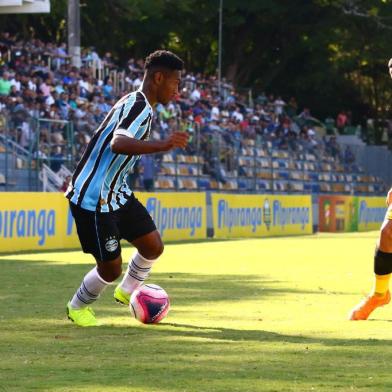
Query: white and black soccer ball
x=149 y=304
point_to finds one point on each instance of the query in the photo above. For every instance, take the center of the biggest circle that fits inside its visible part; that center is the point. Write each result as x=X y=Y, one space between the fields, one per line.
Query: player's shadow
x=242 y=335
x=378 y=319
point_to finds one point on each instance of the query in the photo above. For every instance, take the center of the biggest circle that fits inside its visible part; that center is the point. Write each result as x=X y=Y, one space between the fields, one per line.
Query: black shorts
x=100 y=233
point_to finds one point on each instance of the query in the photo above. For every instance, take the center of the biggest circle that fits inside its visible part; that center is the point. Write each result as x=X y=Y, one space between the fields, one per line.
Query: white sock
x=137 y=272
x=90 y=289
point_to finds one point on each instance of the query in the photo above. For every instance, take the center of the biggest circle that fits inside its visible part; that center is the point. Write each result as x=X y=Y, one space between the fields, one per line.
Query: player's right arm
x=126 y=145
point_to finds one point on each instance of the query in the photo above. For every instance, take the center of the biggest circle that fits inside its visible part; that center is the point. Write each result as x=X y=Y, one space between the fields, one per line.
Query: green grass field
x=247 y=315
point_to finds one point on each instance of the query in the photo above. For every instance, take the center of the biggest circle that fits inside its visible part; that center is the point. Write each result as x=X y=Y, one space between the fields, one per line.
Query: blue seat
x=203 y=183
x=242 y=184
x=284 y=175
x=261 y=185
x=315 y=188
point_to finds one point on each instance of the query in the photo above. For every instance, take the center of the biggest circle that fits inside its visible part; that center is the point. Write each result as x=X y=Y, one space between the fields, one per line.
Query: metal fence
x=26 y=144
x=214 y=160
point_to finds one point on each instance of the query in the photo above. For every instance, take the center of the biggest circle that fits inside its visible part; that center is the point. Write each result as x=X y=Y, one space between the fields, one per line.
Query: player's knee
x=154 y=250
x=159 y=249
x=110 y=270
x=112 y=274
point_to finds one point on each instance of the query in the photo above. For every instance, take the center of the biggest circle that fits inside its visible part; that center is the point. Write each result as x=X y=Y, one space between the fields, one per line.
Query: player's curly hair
x=163 y=59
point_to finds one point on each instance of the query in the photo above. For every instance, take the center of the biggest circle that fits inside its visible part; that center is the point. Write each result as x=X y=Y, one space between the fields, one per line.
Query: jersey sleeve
x=132 y=119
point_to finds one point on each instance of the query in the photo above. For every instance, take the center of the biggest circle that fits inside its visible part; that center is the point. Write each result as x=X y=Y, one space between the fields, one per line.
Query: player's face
x=168 y=87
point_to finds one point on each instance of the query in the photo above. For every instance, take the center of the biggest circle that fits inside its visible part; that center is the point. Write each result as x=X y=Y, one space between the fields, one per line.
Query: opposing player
x=382 y=264
x=104 y=208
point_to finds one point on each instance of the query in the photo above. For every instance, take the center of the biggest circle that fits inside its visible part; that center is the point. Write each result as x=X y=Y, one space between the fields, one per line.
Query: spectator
x=215 y=112
x=16 y=82
x=291 y=107
x=60 y=55
x=237 y=115
x=341 y=121
x=25 y=136
x=65 y=184
x=195 y=95
x=108 y=88
x=334 y=148
x=262 y=99
x=349 y=157
x=56 y=158
x=305 y=114
x=137 y=83
x=217 y=171
x=5 y=84
x=279 y=105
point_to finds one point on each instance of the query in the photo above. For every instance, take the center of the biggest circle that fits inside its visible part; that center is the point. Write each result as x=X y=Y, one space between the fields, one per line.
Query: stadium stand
x=51 y=109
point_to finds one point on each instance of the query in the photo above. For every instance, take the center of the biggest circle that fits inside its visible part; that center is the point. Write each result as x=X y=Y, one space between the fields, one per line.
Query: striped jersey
x=99 y=181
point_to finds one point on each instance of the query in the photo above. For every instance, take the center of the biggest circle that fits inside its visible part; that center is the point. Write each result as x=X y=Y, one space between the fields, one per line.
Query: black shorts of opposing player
x=100 y=233
x=382 y=262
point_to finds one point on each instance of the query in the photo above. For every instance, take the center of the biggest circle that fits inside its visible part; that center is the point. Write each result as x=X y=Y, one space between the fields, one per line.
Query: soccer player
x=104 y=208
x=382 y=264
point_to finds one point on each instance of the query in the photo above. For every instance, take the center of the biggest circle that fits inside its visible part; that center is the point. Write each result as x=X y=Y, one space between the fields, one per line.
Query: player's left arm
x=122 y=144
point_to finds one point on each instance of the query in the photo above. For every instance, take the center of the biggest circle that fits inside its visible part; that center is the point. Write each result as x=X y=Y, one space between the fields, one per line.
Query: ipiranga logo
x=283 y=216
x=238 y=216
x=370 y=214
x=28 y=223
x=254 y=216
x=174 y=217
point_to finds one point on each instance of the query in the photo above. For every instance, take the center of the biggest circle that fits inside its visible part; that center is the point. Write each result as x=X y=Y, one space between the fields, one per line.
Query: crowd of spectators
x=38 y=80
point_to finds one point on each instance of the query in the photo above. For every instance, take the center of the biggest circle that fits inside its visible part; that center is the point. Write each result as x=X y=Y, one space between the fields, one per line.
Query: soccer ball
x=149 y=303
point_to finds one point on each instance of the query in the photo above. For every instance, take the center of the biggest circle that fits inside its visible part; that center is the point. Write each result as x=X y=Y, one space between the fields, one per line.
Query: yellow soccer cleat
x=365 y=307
x=83 y=317
x=121 y=296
